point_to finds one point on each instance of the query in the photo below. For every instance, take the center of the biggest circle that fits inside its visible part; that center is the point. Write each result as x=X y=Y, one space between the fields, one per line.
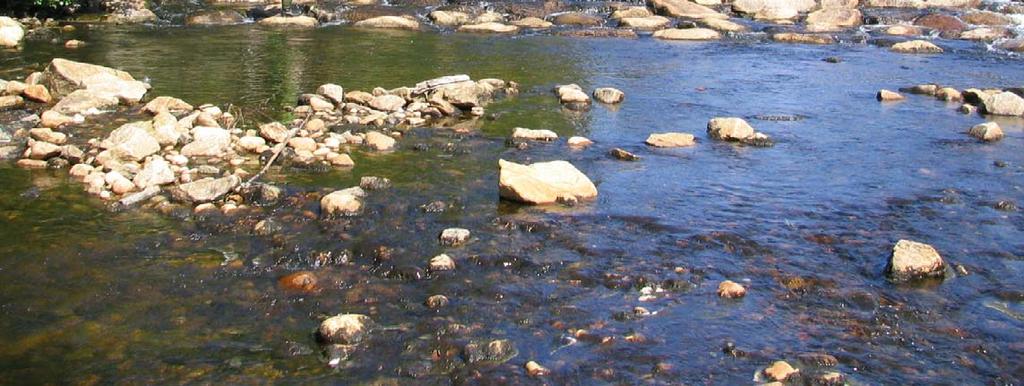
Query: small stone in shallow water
x=623 y=155
x=442 y=262
x=988 y=131
x=436 y=301
x=912 y=260
x=543 y=182
x=609 y=95
x=731 y=290
x=579 y=142
x=374 y=183
x=454 y=236
x=537 y=135
x=779 y=371
x=1006 y=206
x=342 y=202
x=832 y=59
x=434 y=207
x=303 y=281
x=888 y=96
x=497 y=351
x=534 y=369
x=345 y=329
x=670 y=140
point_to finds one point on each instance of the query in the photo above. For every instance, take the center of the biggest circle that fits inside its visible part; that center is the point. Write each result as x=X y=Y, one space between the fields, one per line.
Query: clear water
x=91 y=296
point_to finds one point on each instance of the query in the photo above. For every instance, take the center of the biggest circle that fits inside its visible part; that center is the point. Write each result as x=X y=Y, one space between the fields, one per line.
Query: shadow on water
x=93 y=296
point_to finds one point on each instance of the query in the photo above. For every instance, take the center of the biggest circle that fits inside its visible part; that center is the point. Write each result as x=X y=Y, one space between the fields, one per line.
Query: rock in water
x=302 y=281
x=345 y=329
x=490 y=27
x=609 y=95
x=687 y=34
x=729 y=129
x=624 y=155
x=215 y=17
x=779 y=371
x=85 y=101
x=916 y=47
x=442 y=262
x=537 y=135
x=64 y=76
x=731 y=290
x=495 y=352
x=670 y=140
x=378 y=141
x=343 y=202
x=396 y=22
x=11 y=32
x=988 y=131
x=207 y=142
x=685 y=9
x=166 y=103
x=572 y=94
x=1004 y=103
x=157 y=171
x=453 y=237
x=289 y=21
x=889 y=96
x=206 y=190
x=543 y=182
x=132 y=141
x=911 y=260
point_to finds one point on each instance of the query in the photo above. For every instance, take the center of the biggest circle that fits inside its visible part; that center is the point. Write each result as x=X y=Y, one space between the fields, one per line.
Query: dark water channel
x=91 y=296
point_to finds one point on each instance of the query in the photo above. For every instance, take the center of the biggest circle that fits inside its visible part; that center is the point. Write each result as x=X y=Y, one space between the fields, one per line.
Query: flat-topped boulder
x=289 y=21
x=913 y=260
x=687 y=34
x=543 y=182
x=62 y=76
x=392 y=22
x=801 y=38
x=670 y=140
x=1003 y=103
x=489 y=27
x=215 y=17
x=916 y=47
x=685 y=9
x=85 y=102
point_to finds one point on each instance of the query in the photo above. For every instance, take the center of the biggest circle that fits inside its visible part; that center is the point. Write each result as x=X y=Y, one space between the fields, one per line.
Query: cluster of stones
x=992 y=102
x=687 y=20
x=175 y=145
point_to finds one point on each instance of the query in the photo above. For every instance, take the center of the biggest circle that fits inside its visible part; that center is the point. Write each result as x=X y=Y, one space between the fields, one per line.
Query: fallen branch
x=280 y=149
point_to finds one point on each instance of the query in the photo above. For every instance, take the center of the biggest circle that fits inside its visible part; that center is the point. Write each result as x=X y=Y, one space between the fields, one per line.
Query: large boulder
x=127 y=91
x=206 y=190
x=64 y=76
x=84 y=102
x=1004 y=103
x=11 y=32
x=394 y=22
x=686 y=9
x=207 y=142
x=132 y=141
x=912 y=260
x=988 y=131
x=215 y=17
x=543 y=182
x=670 y=140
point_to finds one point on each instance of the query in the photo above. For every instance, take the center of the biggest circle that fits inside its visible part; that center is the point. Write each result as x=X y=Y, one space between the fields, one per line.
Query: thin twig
x=279 y=150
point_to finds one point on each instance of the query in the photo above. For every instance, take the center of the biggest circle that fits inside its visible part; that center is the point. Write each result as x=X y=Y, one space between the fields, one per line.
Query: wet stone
x=454 y=237
x=304 y=281
x=779 y=371
x=623 y=155
x=374 y=183
x=911 y=260
x=495 y=352
x=345 y=329
x=442 y=262
x=731 y=290
x=436 y=301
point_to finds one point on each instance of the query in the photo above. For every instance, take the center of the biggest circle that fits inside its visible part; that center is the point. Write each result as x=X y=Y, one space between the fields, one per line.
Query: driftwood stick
x=280 y=149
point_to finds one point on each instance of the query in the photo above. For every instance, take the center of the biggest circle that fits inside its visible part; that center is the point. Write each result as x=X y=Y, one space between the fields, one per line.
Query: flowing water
x=93 y=296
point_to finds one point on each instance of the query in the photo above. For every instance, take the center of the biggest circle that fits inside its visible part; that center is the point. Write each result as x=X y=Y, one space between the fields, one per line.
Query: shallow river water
x=93 y=296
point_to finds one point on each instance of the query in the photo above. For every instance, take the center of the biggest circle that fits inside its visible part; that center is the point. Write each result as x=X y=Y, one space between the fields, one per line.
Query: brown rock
x=792 y=37
x=304 y=281
x=543 y=182
x=988 y=131
x=671 y=140
x=948 y=26
x=916 y=47
x=731 y=290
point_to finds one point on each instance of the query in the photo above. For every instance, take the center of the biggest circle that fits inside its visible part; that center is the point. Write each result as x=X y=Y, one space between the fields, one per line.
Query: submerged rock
x=543 y=182
x=911 y=260
x=988 y=131
x=496 y=351
x=345 y=329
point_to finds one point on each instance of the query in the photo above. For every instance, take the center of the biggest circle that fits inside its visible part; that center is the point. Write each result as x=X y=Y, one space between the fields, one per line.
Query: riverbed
x=96 y=296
